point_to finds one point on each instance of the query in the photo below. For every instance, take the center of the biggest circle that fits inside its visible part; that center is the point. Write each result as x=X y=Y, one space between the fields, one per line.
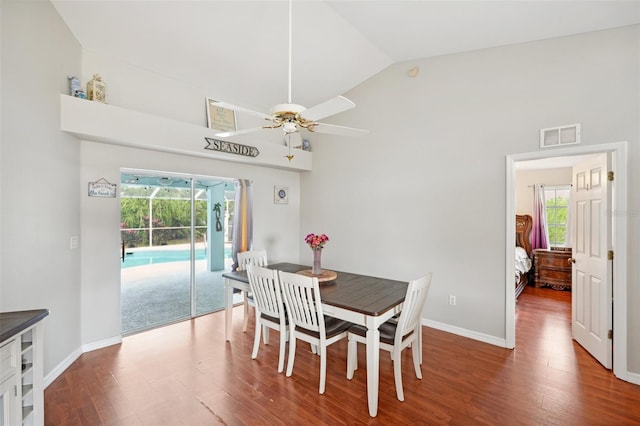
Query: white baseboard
x=59 y=369
x=628 y=377
x=116 y=340
x=631 y=378
x=66 y=363
x=492 y=340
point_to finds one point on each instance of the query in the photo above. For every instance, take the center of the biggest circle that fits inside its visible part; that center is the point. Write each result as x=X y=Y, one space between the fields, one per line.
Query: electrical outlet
x=452 y=300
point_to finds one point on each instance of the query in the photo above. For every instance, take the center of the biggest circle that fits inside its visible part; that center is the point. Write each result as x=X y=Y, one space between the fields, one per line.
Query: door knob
x=571 y=260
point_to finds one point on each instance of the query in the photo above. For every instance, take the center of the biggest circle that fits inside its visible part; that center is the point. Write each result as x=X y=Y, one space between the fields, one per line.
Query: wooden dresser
x=552 y=268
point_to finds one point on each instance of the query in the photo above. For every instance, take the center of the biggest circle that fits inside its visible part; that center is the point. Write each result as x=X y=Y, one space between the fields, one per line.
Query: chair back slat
x=302 y=299
x=266 y=290
x=253 y=257
x=412 y=307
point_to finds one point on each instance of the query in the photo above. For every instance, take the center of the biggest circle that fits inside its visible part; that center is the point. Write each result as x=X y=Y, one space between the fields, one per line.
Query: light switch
x=74 y=242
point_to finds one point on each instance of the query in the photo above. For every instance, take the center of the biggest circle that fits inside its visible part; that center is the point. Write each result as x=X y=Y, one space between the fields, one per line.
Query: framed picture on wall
x=280 y=194
x=219 y=118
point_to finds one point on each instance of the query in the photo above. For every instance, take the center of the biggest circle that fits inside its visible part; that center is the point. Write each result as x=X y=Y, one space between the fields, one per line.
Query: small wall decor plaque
x=102 y=188
x=280 y=194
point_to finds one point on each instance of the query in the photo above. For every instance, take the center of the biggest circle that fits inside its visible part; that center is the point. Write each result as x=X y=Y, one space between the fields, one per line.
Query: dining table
x=360 y=299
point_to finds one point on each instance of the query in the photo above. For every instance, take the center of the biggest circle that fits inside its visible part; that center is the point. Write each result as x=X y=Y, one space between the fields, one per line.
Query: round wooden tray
x=324 y=276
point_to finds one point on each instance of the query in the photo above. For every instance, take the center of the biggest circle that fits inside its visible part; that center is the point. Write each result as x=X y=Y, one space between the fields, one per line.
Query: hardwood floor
x=186 y=374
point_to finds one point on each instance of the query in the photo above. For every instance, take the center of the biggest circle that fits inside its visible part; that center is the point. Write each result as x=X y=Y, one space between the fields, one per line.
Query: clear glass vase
x=317 y=258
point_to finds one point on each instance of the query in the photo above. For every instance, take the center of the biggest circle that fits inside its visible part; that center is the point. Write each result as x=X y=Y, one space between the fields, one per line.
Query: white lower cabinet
x=10 y=398
x=21 y=371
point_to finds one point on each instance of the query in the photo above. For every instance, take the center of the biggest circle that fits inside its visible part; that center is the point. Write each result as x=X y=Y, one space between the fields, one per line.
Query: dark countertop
x=13 y=323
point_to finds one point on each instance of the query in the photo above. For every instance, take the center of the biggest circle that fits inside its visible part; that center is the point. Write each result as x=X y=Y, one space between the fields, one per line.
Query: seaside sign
x=231 y=148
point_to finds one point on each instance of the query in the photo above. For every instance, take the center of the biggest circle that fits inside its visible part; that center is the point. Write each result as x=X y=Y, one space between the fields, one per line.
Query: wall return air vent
x=560 y=136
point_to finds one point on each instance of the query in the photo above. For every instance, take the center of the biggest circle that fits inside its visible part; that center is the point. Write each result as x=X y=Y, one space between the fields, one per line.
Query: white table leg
x=228 y=308
x=373 y=365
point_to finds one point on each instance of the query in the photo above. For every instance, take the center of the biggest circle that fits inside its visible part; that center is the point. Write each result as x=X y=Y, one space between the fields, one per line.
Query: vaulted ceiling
x=336 y=44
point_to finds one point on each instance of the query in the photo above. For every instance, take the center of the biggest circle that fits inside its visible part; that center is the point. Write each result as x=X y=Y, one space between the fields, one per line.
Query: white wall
x=276 y=226
x=525 y=179
x=425 y=191
x=40 y=172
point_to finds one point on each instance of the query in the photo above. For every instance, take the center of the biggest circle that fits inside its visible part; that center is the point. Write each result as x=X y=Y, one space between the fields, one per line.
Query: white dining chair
x=307 y=321
x=269 y=308
x=250 y=257
x=396 y=335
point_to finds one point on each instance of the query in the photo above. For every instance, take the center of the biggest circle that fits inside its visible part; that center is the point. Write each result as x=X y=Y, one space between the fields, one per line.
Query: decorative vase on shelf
x=317 y=257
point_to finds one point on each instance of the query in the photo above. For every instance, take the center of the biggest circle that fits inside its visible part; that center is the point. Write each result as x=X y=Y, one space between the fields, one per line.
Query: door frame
x=617 y=212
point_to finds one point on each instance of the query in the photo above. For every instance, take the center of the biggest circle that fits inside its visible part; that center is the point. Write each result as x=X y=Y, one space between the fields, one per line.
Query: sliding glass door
x=173 y=247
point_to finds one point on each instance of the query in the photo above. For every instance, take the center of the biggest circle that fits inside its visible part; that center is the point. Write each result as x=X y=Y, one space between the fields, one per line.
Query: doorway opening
x=175 y=244
x=618 y=156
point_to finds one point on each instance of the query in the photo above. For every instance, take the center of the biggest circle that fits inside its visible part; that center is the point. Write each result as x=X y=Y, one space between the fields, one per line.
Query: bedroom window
x=556 y=203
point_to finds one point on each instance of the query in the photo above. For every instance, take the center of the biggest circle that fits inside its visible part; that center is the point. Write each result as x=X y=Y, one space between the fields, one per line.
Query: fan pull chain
x=290 y=156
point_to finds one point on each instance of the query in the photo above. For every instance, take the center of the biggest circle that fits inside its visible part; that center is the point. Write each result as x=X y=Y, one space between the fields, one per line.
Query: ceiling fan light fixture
x=290 y=127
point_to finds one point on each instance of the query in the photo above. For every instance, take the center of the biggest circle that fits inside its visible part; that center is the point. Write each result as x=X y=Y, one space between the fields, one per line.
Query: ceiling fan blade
x=239 y=109
x=238 y=132
x=332 y=129
x=328 y=108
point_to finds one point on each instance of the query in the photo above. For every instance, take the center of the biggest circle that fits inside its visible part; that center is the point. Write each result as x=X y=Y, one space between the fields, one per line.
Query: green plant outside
x=556 y=212
x=168 y=214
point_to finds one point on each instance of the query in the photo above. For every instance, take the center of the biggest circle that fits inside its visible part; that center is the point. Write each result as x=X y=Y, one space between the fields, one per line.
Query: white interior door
x=591 y=298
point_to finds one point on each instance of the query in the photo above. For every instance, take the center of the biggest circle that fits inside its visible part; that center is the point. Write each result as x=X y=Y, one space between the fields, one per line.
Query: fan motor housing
x=285 y=109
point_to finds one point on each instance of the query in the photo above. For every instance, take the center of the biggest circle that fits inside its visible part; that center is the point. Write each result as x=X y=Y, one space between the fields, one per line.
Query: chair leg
x=420 y=342
x=397 y=373
x=323 y=367
x=256 y=338
x=265 y=335
x=246 y=312
x=292 y=352
x=416 y=354
x=283 y=344
x=352 y=357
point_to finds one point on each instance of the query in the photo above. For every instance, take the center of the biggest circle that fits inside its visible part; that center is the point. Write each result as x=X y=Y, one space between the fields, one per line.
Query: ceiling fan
x=293 y=117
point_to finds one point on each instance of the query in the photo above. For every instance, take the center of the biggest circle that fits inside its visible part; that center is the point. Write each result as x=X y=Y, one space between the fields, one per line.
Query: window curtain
x=539 y=239
x=242 y=238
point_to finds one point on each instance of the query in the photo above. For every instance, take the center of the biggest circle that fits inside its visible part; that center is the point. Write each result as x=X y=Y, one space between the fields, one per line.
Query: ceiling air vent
x=559 y=136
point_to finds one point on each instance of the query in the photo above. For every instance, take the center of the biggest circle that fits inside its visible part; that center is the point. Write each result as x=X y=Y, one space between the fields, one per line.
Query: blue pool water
x=152 y=257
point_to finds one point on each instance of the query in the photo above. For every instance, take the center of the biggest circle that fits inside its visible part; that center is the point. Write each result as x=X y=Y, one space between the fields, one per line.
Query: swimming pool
x=152 y=257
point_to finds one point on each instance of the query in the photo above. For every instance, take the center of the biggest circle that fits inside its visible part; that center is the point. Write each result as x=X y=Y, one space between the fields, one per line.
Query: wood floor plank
x=186 y=374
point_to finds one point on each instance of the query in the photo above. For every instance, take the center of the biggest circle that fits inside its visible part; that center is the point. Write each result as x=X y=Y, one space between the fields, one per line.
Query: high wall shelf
x=110 y=124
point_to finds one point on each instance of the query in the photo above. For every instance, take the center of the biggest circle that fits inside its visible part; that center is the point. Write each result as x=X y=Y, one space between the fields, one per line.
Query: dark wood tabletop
x=360 y=293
